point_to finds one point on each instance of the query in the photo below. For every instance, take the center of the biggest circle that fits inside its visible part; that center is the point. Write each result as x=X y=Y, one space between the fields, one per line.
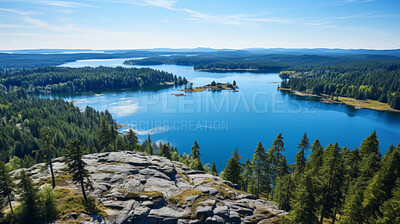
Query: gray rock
x=149 y=204
x=215 y=219
x=191 y=198
x=120 y=178
x=140 y=214
x=234 y=217
x=207 y=190
x=163 y=215
x=204 y=211
x=182 y=221
x=119 y=205
x=221 y=211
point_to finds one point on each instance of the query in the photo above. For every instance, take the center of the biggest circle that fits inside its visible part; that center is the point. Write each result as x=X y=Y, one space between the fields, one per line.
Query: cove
x=223 y=120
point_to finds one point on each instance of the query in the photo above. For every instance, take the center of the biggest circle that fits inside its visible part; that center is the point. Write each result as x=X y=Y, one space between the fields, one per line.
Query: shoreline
x=355 y=103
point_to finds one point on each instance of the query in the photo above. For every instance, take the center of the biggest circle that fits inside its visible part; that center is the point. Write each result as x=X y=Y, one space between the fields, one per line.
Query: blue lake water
x=221 y=121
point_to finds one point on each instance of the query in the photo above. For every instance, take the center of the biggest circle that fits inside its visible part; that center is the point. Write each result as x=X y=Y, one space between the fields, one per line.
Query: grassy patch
x=224 y=190
x=233 y=189
x=122 y=191
x=186 y=177
x=180 y=198
x=198 y=203
x=116 y=163
x=106 y=171
x=207 y=180
x=60 y=180
x=69 y=201
x=152 y=194
x=369 y=104
x=132 y=195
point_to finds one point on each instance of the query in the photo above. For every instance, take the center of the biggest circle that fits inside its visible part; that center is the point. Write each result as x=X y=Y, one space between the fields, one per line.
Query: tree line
x=25 y=118
x=336 y=184
x=364 y=80
x=61 y=80
x=228 y=61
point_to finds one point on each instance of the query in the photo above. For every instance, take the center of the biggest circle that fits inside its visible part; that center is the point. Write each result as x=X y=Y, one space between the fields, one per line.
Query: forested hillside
x=26 y=117
x=363 y=80
x=229 y=61
x=347 y=186
x=60 y=79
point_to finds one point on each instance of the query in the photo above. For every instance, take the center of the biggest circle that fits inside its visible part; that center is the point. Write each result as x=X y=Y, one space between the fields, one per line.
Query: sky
x=234 y=24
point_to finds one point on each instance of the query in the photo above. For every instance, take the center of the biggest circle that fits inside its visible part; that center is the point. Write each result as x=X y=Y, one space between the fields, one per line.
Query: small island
x=213 y=86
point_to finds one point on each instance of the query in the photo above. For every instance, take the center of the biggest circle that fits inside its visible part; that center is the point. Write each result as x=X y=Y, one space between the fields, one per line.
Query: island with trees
x=213 y=86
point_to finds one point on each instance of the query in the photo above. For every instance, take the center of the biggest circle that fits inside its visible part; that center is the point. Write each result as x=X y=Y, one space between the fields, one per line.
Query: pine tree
x=275 y=155
x=283 y=167
x=381 y=186
x=233 y=169
x=113 y=135
x=390 y=210
x=195 y=151
x=76 y=166
x=48 y=201
x=283 y=191
x=165 y=151
x=175 y=156
x=353 y=209
x=247 y=176
x=370 y=156
x=132 y=140
x=332 y=178
x=6 y=184
x=300 y=160
x=47 y=150
x=351 y=160
x=148 y=145
x=28 y=199
x=258 y=162
x=304 y=205
x=316 y=157
x=104 y=134
x=196 y=164
x=214 y=169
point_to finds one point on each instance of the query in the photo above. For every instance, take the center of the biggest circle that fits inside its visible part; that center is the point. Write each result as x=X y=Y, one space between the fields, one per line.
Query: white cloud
x=236 y=19
x=152 y=131
x=12 y=26
x=18 y=12
x=167 y=4
x=64 y=4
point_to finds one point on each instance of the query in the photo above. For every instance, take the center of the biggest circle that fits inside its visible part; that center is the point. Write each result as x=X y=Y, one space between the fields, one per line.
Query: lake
x=221 y=121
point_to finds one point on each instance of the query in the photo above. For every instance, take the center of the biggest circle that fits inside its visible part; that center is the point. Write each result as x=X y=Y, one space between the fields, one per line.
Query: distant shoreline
x=357 y=104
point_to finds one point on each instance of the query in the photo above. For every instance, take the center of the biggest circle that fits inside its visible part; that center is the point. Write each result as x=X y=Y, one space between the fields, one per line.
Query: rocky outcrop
x=135 y=188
